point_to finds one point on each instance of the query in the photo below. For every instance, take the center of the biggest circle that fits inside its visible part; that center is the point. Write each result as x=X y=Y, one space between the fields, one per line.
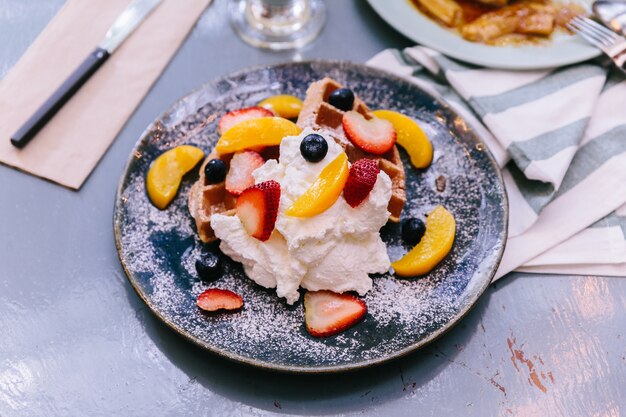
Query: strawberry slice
x=257 y=208
x=375 y=136
x=215 y=299
x=234 y=117
x=361 y=179
x=242 y=165
x=327 y=313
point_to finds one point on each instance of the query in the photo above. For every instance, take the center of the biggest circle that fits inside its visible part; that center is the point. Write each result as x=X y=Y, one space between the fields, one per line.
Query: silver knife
x=123 y=26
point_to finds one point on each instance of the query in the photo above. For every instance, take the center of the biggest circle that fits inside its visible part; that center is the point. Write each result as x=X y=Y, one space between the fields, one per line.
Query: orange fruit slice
x=265 y=131
x=325 y=190
x=283 y=105
x=434 y=246
x=410 y=136
x=166 y=173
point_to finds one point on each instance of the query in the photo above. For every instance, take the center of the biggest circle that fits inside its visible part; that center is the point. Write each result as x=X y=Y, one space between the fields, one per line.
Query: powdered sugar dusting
x=159 y=248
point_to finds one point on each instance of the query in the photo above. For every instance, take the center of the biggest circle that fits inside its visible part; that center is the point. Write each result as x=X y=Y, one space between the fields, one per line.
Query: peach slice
x=324 y=191
x=434 y=246
x=266 y=131
x=410 y=136
x=283 y=105
x=166 y=173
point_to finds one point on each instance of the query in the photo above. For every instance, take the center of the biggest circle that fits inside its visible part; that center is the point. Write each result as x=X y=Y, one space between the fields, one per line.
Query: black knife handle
x=62 y=94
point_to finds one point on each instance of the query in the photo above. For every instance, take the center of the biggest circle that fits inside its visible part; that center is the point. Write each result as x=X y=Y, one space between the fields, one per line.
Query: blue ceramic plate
x=158 y=248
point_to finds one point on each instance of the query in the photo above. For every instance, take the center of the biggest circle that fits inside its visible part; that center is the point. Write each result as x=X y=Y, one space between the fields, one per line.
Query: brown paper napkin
x=68 y=148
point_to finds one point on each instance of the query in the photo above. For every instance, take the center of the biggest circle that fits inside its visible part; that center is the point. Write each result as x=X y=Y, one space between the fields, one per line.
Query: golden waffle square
x=207 y=199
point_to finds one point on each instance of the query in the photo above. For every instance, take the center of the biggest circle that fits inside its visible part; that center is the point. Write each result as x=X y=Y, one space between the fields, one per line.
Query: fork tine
x=598 y=36
x=587 y=37
x=585 y=27
x=606 y=36
x=601 y=28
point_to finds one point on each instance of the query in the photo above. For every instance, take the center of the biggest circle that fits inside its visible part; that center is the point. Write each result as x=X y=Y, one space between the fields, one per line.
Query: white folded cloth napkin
x=560 y=138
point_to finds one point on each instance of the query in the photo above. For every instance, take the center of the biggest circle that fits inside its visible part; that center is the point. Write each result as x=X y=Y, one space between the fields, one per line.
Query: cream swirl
x=335 y=250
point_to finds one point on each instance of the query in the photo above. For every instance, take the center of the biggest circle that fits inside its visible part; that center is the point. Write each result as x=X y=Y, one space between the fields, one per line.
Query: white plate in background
x=561 y=50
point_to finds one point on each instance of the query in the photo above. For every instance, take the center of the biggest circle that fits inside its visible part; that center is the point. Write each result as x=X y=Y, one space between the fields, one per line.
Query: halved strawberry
x=242 y=165
x=234 y=117
x=361 y=179
x=215 y=299
x=375 y=136
x=327 y=313
x=257 y=208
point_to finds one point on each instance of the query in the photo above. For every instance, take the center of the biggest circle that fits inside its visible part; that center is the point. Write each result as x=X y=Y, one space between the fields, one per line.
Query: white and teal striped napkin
x=560 y=138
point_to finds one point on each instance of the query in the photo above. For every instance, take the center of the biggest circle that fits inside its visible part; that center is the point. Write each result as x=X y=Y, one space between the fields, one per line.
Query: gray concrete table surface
x=75 y=340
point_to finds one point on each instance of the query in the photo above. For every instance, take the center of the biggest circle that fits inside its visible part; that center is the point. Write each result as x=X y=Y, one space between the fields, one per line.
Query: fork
x=600 y=36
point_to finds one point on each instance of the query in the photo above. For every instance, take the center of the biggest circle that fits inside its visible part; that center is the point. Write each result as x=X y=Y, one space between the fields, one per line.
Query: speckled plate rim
x=470 y=301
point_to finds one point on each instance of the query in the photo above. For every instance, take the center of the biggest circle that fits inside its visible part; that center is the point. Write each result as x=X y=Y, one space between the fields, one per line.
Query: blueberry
x=413 y=230
x=342 y=98
x=214 y=171
x=209 y=267
x=313 y=147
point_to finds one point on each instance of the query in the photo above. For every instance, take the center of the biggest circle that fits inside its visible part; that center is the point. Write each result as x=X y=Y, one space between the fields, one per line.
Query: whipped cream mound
x=335 y=250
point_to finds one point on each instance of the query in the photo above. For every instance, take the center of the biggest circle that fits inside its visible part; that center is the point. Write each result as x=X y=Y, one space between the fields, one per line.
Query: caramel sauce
x=472 y=10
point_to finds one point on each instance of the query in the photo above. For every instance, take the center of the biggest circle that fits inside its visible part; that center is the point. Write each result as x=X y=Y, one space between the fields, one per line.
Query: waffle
x=318 y=114
x=208 y=199
x=204 y=199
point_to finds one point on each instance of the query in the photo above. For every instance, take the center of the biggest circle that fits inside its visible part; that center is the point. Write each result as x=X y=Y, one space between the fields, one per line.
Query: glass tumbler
x=278 y=24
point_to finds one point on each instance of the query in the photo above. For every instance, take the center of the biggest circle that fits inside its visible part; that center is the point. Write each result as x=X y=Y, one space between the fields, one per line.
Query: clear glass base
x=278 y=24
